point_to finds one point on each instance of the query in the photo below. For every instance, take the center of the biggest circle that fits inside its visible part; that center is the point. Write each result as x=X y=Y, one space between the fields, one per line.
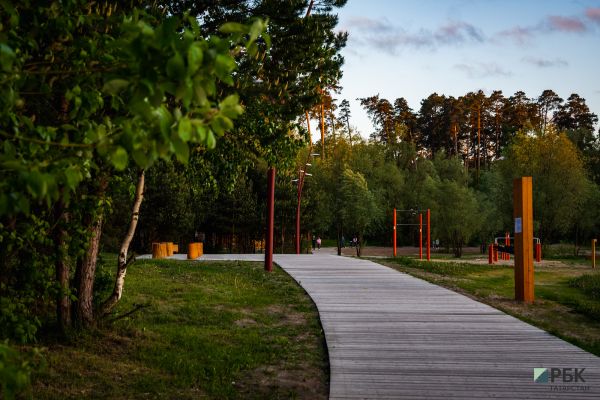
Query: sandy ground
x=473 y=256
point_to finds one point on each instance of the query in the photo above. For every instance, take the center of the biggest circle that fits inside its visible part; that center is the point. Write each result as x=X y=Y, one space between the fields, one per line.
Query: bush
x=16 y=369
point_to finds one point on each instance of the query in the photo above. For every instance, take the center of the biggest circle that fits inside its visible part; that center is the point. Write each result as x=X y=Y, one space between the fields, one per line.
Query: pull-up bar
x=420 y=224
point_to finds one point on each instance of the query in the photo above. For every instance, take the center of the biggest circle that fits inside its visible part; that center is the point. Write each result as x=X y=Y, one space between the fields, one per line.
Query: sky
x=413 y=48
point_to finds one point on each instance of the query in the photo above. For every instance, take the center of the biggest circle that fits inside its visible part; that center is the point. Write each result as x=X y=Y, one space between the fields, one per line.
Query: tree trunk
x=63 y=304
x=114 y=298
x=87 y=271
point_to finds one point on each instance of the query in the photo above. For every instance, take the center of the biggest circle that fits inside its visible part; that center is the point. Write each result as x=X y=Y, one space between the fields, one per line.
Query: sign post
x=523 y=214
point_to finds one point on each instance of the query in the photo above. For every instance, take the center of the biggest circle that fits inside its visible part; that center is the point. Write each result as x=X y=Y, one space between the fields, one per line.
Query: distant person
x=343 y=244
x=319 y=243
x=354 y=241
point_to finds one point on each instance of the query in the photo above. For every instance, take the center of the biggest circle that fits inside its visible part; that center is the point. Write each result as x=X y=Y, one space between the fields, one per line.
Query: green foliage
x=16 y=369
x=560 y=185
x=456 y=216
x=359 y=206
x=26 y=276
x=135 y=87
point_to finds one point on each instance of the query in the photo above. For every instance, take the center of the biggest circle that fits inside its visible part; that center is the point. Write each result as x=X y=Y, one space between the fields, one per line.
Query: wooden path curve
x=393 y=336
x=390 y=335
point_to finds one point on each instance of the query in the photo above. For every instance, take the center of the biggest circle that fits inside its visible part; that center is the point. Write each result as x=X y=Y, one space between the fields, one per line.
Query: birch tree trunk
x=114 y=298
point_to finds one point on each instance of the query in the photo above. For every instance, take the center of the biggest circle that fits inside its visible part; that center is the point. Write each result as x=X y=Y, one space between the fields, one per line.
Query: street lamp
x=301 y=175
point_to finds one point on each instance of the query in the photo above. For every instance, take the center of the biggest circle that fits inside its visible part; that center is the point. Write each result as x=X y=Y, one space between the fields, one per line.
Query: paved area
x=390 y=336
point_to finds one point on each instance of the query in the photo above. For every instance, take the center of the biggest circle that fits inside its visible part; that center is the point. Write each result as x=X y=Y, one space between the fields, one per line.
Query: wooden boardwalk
x=393 y=336
x=390 y=335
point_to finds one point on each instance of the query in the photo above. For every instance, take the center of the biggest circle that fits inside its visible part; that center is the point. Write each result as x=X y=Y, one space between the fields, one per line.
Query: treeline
x=477 y=128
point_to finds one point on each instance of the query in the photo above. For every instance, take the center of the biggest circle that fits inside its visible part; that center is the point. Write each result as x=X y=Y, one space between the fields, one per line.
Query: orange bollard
x=192 y=251
x=491 y=254
x=538 y=252
x=195 y=250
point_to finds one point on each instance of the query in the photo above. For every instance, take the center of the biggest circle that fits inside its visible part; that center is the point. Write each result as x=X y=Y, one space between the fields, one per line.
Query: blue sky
x=412 y=48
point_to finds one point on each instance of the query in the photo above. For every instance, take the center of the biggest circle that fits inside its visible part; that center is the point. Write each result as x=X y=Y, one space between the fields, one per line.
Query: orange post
x=538 y=252
x=420 y=236
x=523 y=215
x=394 y=234
x=428 y=236
x=491 y=254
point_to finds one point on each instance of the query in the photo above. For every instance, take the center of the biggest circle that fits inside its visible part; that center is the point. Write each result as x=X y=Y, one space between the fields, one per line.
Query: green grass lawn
x=210 y=330
x=567 y=298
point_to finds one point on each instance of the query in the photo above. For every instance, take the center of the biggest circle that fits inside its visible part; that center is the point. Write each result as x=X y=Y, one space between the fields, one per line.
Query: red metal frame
x=270 y=219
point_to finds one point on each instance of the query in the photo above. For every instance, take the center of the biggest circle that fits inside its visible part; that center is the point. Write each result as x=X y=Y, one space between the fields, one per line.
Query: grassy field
x=210 y=330
x=567 y=297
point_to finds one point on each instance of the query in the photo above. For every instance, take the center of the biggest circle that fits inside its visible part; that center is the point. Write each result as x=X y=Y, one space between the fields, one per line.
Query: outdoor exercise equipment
x=420 y=225
x=496 y=250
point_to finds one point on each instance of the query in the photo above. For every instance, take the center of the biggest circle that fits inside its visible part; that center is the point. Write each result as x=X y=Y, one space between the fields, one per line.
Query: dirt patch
x=382 y=251
x=245 y=322
x=286 y=315
x=301 y=382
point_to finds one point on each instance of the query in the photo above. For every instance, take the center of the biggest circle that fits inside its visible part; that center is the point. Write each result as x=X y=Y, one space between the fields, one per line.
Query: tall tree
x=345 y=115
x=381 y=113
x=548 y=102
x=574 y=114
